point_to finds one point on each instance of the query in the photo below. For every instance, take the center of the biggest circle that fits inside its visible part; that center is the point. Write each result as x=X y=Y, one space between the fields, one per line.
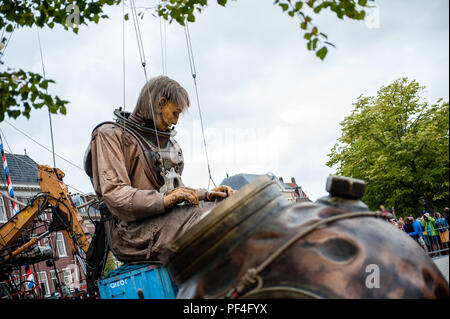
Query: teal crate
x=153 y=280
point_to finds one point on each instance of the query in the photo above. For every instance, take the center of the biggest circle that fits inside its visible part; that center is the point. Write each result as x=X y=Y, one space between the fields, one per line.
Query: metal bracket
x=172 y=180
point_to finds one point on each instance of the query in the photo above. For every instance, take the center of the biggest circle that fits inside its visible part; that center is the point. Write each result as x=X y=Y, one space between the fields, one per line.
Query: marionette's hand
x=220 y=192
x=179 y=195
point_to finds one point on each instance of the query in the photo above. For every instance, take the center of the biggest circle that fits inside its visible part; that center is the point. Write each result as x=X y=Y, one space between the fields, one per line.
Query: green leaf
x=362 y=3
x=399 y=145
x=44 y=85
x=284 y=6
x=322 y=53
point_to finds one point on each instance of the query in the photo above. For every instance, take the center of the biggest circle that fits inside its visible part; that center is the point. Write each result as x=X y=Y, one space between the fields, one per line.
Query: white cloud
x=258 y=85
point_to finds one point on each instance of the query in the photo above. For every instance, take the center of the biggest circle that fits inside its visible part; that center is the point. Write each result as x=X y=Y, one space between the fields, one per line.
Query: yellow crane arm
x=51 y=183
x=57 y=195
x=11 y=231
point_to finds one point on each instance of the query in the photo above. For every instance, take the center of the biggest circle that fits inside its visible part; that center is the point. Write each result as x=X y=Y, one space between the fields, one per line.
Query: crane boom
x=56 y=195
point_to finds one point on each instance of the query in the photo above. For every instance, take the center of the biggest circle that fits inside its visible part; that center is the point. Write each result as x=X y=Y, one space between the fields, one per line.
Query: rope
x=123 y=74
x=51 y=176
x=138 y=33
x=23 y=133
x=165 y=45
x=141 y=48
x=163 y=63
x=252 y=275
x=163 y=38
x=51 y=130
x=123 y=52
x=194 y=76
x=46 y=91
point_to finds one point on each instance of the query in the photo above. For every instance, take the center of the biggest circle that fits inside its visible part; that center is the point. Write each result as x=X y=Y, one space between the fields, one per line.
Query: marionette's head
x=162 y=100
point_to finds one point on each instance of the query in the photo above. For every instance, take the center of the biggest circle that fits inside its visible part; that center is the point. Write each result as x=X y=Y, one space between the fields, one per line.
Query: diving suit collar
x=139 y=123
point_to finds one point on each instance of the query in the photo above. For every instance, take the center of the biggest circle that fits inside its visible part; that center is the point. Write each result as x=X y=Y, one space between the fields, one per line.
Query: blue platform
x=153 y=280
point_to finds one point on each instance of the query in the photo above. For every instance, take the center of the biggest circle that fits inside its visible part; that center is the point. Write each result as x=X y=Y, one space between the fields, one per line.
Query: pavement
x=442 y=264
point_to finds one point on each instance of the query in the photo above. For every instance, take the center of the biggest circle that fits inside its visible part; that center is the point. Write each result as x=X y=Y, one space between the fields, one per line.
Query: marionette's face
x=166 y=115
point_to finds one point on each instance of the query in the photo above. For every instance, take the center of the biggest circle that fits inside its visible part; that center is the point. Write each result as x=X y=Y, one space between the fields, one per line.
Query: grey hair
x=157 y=88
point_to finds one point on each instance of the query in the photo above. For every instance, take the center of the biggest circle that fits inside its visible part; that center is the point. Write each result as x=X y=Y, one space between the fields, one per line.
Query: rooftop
x=21 y=169
x=240 y=180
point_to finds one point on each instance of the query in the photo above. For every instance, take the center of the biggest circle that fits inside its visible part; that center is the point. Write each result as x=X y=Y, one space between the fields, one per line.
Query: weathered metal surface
x=345 y=187
x=337 y=260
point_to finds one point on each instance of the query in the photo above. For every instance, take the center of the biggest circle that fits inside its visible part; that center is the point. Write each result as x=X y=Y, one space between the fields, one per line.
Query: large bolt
x=346 y=187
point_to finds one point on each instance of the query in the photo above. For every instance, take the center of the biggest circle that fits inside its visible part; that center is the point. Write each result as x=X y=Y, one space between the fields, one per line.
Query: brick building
x=63 y=267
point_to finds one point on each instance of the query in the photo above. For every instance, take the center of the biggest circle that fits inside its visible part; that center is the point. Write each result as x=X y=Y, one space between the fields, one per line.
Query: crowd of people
x=430 y=231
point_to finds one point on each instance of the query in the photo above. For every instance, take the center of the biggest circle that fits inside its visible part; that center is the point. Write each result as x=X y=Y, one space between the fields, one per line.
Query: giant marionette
x=135 y=167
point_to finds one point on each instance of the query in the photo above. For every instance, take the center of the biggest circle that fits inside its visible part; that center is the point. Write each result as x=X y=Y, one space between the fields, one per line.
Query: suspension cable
x=51 y=176
x=163 y=38
x=138 y=33
x=46 y=91
x=162 y=46
x=123 y=73
x=25 y=134
x=123 y=53
x=165 y=45
x=141 y=48
x=194 y=76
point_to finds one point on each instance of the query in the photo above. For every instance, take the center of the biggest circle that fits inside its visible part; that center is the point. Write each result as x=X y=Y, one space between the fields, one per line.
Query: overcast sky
x=268 y=104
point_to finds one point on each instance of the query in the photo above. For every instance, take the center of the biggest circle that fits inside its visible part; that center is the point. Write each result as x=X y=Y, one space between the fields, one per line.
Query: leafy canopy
x=399 y=145
x=20 y=91
x=182 y=10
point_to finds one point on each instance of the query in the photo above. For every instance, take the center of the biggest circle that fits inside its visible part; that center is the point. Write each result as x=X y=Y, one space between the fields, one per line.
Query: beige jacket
x=123 y=178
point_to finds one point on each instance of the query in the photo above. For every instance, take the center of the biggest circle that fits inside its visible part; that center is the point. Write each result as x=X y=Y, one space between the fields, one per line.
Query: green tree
x=398 y=144
x=20 y=90
x=302 y=10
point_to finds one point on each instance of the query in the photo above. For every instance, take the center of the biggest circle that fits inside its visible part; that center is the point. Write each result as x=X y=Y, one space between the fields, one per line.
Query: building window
x=11 y=212
x=68 y=280
x=43 y=216
x=54 y=280
x=43 y=283
x=61 y=245
x=45 y=242
x=3 y=216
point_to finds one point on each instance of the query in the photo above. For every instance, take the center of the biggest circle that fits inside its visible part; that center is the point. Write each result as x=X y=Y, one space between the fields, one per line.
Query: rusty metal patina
x=222 y=255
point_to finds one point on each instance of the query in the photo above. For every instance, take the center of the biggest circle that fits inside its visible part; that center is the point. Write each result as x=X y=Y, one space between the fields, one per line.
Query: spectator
x=393 y=222
x=417 y=234
x=383 y=210
x=431 y=233
x=446 y=211
x=401 y=223
x=442 y=228
x=408 y=227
